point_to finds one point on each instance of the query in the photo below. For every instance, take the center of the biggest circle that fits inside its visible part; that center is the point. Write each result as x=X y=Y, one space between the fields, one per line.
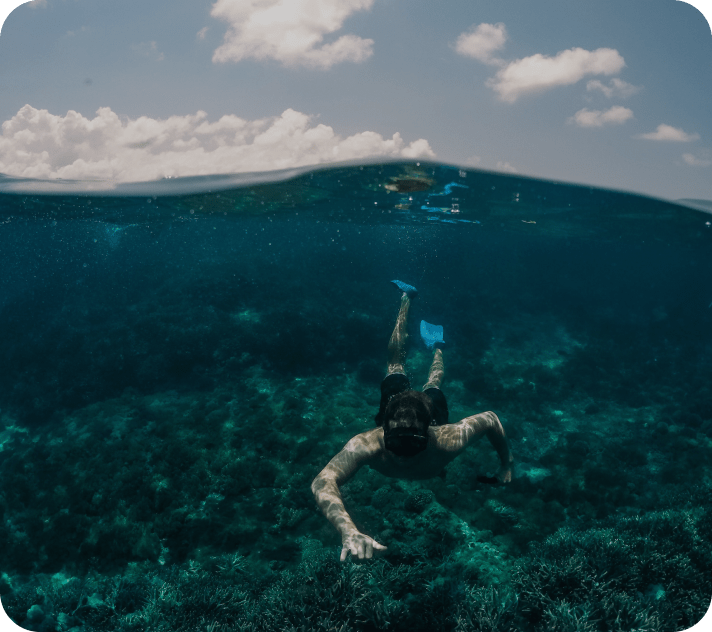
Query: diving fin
x=404 y=287
x=432 y=335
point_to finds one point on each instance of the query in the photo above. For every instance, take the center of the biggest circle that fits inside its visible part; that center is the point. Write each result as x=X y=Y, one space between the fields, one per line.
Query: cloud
x=148 y=49
x=201 y=33
x=616 y=87
x=83 y=29
x=539 y=72
x=505 y=166
x=693 y=161
x=290 y=31
x=597 y=118
x=669 y=133
x=35 y=143
x=481 y=41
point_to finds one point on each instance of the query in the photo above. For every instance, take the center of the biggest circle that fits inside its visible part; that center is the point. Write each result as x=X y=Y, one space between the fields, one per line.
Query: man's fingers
x=362 y=548
x=346 y=549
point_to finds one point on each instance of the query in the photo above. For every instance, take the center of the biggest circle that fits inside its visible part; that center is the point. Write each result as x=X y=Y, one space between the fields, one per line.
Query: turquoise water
x=181 y=359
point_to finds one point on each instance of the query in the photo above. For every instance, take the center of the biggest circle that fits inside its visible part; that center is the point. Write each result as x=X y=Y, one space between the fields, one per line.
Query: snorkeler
x=413 y=439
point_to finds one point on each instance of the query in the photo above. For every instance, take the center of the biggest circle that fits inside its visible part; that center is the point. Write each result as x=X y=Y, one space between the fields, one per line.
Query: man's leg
x=397 y=351
x=441 y=414
x=437 y=370
x=396 y=381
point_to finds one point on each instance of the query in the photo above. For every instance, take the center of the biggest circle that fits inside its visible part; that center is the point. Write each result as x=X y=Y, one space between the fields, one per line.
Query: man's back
x=444 y=444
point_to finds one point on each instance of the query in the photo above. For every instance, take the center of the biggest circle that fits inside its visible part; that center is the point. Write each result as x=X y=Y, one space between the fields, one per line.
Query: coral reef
x=651 y=573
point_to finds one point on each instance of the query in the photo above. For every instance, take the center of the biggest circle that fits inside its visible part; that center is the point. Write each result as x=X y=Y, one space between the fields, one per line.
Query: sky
x=611 y=93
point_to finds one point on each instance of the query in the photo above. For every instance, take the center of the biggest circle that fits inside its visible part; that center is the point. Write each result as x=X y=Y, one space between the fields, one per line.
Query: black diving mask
x=405 y=441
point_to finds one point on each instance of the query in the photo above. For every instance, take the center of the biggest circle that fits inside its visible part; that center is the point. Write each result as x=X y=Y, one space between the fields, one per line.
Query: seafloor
x=169 y=395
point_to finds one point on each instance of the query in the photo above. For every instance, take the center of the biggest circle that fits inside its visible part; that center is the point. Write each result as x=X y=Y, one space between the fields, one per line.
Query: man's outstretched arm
x=488 y=423
x=325 y=488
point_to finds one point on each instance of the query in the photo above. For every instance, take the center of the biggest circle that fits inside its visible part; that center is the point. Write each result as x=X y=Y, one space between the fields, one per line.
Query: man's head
x=406 y=421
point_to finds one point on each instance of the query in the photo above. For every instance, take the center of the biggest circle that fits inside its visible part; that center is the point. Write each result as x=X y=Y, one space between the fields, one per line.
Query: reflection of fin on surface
x=448 y=187
x=432 y=335
x=404 y=287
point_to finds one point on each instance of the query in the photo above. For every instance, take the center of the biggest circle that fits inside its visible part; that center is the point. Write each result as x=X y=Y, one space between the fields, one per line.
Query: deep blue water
x=180 y=359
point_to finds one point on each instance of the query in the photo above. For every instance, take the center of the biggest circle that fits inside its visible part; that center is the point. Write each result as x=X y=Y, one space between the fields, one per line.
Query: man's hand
x=360 y=545
x=504 y=474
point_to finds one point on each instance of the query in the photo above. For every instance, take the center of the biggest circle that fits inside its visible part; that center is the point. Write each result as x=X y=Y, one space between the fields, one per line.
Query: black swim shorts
x=397 y=383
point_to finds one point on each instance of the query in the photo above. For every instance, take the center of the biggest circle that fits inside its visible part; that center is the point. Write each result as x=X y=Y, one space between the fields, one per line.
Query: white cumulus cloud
x=481 y=41
x=290 y=31
x=616 y=87
x=541 y=72
x=670 y=133
x=37 y=144
x=693 y=161
x=597 y=118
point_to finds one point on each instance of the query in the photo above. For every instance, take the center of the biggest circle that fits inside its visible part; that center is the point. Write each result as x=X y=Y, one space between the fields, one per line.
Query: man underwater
x=413 y=439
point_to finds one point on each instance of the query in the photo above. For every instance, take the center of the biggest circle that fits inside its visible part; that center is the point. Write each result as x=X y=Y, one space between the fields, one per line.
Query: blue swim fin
x=404 y=287
x=432 y=335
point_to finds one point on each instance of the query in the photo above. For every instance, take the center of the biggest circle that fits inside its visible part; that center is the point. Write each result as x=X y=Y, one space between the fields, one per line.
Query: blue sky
x=610 y=93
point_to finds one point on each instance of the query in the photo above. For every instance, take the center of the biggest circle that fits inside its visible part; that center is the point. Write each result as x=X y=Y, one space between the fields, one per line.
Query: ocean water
x=180 y=360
